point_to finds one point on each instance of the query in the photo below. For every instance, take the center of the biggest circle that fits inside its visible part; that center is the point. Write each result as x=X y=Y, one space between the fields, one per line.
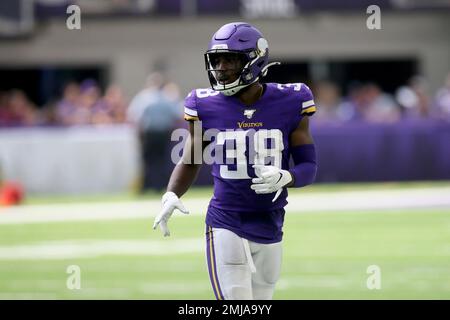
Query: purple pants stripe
x=211 y=258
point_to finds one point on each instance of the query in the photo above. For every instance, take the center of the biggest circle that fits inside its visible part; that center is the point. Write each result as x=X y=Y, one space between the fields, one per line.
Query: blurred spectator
x=17 y=110
x=87 y=101
x=116 y=98
x=364 y=102
x=414 y=99
x=83 y=104
x=111 y=108
x=68 y=104
x=5 y=114
x=328 y=99
x=352 y=106
x=155 y=111
x=442 y=100
x=379 y=106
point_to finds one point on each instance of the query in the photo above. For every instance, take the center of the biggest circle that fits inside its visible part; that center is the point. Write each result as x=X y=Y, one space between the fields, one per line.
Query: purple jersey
x=258 y=133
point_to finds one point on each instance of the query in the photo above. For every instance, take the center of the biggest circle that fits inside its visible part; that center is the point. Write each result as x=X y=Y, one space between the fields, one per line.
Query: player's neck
x=251 y=94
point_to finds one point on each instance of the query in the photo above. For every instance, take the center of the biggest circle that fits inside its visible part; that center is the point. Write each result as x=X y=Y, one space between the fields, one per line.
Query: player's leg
x=227 y=264
x=267 y=260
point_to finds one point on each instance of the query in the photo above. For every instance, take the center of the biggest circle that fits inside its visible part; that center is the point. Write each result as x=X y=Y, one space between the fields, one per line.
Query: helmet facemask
x=245 y=77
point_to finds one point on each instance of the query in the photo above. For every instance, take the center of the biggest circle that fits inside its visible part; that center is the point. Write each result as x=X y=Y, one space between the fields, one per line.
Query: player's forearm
x=183 y=175
x=303 y=174
x=305 y=170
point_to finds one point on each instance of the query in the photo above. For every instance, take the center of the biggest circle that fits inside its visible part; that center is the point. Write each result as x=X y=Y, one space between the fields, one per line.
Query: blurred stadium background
x=71 y=166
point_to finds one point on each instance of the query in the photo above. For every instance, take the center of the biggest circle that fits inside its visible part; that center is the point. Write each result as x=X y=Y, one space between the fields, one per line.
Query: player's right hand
x=170 y=202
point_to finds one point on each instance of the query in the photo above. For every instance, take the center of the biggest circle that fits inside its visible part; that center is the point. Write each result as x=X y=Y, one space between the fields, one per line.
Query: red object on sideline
x=11 y=193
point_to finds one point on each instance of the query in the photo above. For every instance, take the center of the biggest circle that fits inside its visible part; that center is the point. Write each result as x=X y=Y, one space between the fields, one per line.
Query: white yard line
x=433 y=197
x=372 y=200
x=72 y=249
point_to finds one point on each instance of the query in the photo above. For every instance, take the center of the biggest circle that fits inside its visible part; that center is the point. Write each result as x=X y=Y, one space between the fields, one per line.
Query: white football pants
x=240 y=269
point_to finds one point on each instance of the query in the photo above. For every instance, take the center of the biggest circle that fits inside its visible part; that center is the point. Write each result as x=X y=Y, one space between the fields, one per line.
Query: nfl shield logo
x=249 y=113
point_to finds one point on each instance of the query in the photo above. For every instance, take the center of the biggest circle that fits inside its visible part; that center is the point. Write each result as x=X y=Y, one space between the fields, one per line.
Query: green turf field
x=326 y=255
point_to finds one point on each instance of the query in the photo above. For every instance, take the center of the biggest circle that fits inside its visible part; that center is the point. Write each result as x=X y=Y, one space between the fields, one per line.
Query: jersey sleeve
x=308 y=106
x=190 y=107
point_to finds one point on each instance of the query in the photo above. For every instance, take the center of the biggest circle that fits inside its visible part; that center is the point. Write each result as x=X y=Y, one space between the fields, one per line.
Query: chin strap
x=266 y=68
x=236 y=89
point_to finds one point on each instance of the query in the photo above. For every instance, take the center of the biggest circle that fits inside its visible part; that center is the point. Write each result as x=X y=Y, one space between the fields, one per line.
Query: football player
x=260 y=126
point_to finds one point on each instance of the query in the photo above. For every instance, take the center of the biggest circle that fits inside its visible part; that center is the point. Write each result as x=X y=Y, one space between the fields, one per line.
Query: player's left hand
x=270 y=179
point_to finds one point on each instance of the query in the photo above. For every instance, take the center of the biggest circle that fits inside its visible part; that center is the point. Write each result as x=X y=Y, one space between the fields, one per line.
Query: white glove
x=270 y=179
x=170 y=202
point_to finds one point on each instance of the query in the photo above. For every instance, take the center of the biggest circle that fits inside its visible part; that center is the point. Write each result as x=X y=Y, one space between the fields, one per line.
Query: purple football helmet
x=247 y=41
